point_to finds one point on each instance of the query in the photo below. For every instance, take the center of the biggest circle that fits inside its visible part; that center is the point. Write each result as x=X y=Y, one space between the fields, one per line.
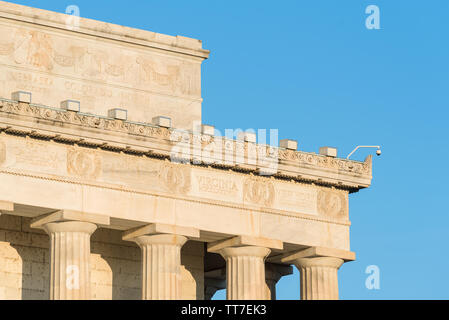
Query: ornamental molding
x=289 y=160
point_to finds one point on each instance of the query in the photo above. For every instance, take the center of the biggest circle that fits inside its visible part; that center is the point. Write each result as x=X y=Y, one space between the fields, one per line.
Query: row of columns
x=246 y=275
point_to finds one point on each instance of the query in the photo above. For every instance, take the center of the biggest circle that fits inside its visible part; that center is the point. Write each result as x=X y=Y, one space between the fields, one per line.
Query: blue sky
x=314 y=71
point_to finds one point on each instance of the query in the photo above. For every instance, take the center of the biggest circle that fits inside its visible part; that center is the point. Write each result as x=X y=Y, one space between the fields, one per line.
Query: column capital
x=328 y=262
x=160 y=228
x=313 y=252
x=244 y=241
x=70 y=226
x=69 y=215
x=160 y=239
x=245 y=251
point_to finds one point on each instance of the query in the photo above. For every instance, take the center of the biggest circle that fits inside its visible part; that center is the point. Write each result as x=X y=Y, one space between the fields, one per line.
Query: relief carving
x=259 y=191
x=175 y=178
x=73 y=58
x=48 y=52
x=167 y=76
x=231 y=147
x=331 y=203
x=217 y=185
x=326 y=162
x=83 y=164
x=34 y=48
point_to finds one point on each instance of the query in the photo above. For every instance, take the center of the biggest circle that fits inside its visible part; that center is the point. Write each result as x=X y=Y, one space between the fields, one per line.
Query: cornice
x=55 y=20
x=42 y=122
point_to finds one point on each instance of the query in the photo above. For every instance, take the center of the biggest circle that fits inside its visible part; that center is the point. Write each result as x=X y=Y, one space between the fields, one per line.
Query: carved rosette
x=332 y=203
x=83 y=164
x=326 y=162
x=258 y=191
x=175 y=178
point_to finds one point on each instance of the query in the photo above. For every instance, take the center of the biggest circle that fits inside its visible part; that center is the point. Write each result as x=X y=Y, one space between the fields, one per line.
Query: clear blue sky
x=312 y=70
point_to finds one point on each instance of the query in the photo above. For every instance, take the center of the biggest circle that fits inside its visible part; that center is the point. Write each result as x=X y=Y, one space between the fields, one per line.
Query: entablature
x=96 y=131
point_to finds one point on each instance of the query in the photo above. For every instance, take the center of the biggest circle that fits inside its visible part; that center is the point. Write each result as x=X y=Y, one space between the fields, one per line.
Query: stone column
x=245 y=272
x=319 y=279
x=69 y=259
x=161 y=266
x=273 y=273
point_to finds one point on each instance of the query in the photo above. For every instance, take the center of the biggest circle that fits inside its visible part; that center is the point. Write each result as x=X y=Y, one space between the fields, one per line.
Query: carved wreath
x=83 y=164
x=258 y=191
x=331 y=203
x=175 y=178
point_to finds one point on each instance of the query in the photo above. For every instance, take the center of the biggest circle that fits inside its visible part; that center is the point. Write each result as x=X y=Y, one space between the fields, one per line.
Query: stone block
x=71 y=105
x=208 y=130
x=247 y=137
x=289 y=144
x=21 y=96
x=118 y=114
x=162 y=121
x=328 y=151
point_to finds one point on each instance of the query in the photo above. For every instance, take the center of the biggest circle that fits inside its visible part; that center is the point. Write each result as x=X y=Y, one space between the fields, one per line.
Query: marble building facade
x=96 y=204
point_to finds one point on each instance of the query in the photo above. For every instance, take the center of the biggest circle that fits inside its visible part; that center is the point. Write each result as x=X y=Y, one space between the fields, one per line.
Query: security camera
x=378 y=152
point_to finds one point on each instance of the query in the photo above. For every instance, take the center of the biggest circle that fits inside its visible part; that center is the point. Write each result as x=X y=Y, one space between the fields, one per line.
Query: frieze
x=142 y=129
x=48 y=52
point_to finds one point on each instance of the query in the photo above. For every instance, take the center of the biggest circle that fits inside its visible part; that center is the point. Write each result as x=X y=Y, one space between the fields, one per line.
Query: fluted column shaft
x=69 y=259
x=245 y=272
x=161 y=266
x=319 y=277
